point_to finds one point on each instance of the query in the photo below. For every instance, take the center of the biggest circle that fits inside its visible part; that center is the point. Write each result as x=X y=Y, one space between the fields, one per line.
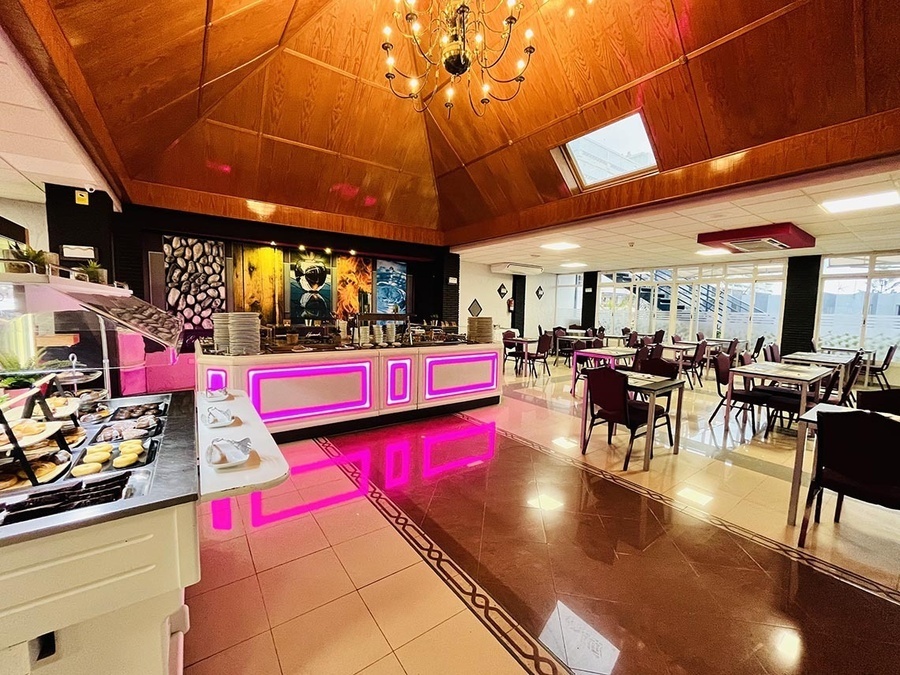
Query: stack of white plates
x=244 y=333
x=480 y=329
x=221 y=336
x=390 y=332
x=377 y=334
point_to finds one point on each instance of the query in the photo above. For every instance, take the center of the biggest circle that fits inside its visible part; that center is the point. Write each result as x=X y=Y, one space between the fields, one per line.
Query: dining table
x=834 y=361
x=807 y=377
x=806 y=422
x=524 y=341
x=612 y=355
x=868 y=356
x=651 y=386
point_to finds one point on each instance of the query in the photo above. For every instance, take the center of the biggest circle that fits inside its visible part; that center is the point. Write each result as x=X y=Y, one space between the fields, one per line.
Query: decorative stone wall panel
x=195 y=279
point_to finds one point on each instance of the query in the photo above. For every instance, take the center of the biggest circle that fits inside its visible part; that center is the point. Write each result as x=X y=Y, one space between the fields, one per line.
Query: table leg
x=648 y=446
x=804 y=394
x=868 y=358
x=574 y=372
x=678 y=420
x=584 y=410
x=802 y=430
x=728 y=399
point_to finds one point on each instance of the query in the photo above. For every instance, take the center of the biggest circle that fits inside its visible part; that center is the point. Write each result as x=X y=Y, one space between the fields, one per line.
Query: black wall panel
x=801 y=294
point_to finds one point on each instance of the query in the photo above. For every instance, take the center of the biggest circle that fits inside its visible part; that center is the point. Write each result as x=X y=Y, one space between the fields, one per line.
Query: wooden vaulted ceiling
x=278 y=109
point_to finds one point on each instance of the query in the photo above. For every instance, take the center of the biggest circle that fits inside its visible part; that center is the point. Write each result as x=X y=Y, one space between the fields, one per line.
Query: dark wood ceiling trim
x=206 y=24
x=183 y=199
x=854 y=141
x=33 y=28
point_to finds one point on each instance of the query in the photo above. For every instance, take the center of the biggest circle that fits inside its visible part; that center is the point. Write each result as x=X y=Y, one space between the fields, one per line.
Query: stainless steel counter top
x=175 y=478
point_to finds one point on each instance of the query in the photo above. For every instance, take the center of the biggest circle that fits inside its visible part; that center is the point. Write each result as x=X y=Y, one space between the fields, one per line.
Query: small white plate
x=216 y=395
x=218 y=421
x=223 y=453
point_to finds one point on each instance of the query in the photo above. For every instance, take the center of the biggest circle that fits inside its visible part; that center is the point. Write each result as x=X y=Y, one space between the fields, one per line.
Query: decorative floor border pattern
x=795 y=554
x=529 y=652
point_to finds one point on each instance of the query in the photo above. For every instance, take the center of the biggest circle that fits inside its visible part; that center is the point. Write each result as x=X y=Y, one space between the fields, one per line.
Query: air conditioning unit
x=760 y=239
x=516 y=268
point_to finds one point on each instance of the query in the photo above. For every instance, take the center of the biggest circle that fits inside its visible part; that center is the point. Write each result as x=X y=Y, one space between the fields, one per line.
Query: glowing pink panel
x=363 y=459
x=221 y=514
x=432 y=363
x=399 y=381
x=396 y=453
x=360 y=401
x=216 y=378
x=483 y=450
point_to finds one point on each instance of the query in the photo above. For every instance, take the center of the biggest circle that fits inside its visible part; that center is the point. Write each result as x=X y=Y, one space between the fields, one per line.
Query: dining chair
x=658 y=336
x=626 y=330
x=693 y=364
x=854 y=460
x=656 y=352
x=700 y=337
x=886 y=400
x=632 y=339
x=544 y=343
x=760 y=341
x=745 y=397
x=781 y=400
x=589 y=333
x=880 y=372
x=563 y=349
x=608 y=402
x=642 y=353
x=511 y=349
x=579 y=360
x=662 y=368
x=676 y=339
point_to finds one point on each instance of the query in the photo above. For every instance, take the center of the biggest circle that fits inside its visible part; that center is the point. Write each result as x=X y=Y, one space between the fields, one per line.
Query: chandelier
x=468 y=40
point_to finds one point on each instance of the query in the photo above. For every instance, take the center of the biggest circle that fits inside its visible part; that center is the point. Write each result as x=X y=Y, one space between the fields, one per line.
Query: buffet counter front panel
x=304 y=390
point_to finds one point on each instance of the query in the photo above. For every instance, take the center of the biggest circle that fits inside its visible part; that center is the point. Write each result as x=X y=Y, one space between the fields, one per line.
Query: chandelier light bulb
x=414 y=85
x=529 y=34
x=444 y=39
x=510 y=3
x=390 y=61
x=479 y=38
x=520 y=64
x=485 y=87
x=387 y=31
x=416 y=27
x=450 y=93
x=327 y=251
x=571 y=12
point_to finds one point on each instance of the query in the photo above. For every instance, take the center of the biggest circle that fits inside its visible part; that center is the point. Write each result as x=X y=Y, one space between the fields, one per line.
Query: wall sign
x=475 y=308
x=73 y=252
x=502 y=290
x=539 y=292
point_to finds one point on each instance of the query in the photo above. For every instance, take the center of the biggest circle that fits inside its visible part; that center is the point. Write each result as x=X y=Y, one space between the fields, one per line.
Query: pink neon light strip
x=429 y=443
x=221 y=514
x=396 y=453
x=404 y=395
x=216 y=378
x=362 y=458
x=432 y=362
x=255 y=377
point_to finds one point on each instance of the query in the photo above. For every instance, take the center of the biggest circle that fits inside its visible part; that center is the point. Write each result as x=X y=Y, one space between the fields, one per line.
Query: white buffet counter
x=310 y=389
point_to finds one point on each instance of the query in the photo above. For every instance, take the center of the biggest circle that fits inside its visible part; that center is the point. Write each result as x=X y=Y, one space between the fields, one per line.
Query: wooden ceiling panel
x=243 y=107
x=790 y=75
x=471 y=136
x=303 y=12
x=337 y=35
x=703 y=21
x=228 y=166
x=609 y=43
x=391 y=138
x=443 y=157
x=291 y=174
x=143 y=140
x=413 y=201
x=460 y=200
x=222 y=8
x=293 y=110
x=241 y=37
x=881 y=19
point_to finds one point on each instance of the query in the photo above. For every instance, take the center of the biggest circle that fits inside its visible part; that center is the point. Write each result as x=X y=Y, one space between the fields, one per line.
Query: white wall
x=30 y=215
x=540 y=312
x=477 y=281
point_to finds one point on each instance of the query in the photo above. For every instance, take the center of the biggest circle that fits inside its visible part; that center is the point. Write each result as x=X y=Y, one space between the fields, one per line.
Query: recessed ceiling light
x=875 y=201
x=713 y=251
x=560 y=246
x=574 y=265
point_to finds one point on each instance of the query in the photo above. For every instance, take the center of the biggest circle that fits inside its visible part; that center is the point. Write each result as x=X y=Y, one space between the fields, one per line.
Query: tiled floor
x=323 y=590
x=311 y=577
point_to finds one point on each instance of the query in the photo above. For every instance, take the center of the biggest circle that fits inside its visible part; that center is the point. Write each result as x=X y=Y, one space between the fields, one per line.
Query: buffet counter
x=313 y=389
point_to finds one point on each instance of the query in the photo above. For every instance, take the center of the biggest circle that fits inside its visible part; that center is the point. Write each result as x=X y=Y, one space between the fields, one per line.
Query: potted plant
x=94 y=272
x=27 y=255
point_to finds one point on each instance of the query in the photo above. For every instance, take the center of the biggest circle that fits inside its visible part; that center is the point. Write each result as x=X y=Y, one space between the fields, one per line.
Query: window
x=568 y=299
x=617 y=150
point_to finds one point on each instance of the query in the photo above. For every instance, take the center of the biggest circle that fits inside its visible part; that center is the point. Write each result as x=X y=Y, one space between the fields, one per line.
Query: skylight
x=611 y=152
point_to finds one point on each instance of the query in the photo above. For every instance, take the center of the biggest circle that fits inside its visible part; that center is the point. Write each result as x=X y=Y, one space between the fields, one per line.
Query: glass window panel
x=883 y=322
x=740 y=271
x=707 y=318
x=846 y=265
x=737 y=311
x=767 y=310
x=642 y=275
x=623 y=277
x=662 y=275
x=712 y=271
x=612 y=151
x=567 y=279
x=643 y=315
x=688 y=272
x=841 y=318
x=770 y=269
x=663 y=307
x=887 y=263
x=684 y=311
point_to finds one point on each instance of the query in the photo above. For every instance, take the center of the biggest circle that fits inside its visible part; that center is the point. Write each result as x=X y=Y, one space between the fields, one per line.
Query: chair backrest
x=608 y=390
x=746 y=358
x=676 y=339
x=642 y=354
x=540 y=330
x=632 y=339
x=559 y=332
x=544 y=343
x=598 y=342
x=574 y=325
x=732 y=348
x=849 y=384
x=661 y=367
x=658 y=336
x=700 y=337
x=881 y=401
x=888 y=357
x=722 y=365
x=700 y=351
x=579 y=344
x=760 y=341
x=656 y=352
x=853 y=447
x=831 y=385
x=589 y=332
x=647 y=340
x=776 y=352
x=507 y=335
x=767 y=352
x=626 y=330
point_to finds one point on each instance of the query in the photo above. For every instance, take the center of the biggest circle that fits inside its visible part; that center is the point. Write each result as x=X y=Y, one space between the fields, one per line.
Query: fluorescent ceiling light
x=574 y=265
x=875 y=201
x=695 y=496
x=713 y=251
x=560 y=246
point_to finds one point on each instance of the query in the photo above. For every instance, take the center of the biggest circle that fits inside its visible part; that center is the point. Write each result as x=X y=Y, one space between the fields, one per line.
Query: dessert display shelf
x=308 y=390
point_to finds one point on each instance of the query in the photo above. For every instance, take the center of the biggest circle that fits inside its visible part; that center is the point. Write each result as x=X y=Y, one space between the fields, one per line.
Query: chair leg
x=689 y=379
x=811 y=495
x=838 y=507
x=587 y=438
x=752 y=419
x=610 y=431
x=669 y=429
x=628 y=454
x=819 y=505
x=718 y=408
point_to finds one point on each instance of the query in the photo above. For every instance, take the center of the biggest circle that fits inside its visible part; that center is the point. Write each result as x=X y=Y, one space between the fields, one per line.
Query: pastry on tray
x=28 y=427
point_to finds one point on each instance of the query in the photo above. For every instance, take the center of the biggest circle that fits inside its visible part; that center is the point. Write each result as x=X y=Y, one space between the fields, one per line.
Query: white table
x=805 y=376
x=868 y=356
x=833 y=361
x=679 y=350
x=524 y=342
x=609 y=354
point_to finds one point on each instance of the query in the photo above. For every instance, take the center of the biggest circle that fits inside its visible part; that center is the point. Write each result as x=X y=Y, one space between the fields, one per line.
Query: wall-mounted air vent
x=516 y=268
x=758 y=245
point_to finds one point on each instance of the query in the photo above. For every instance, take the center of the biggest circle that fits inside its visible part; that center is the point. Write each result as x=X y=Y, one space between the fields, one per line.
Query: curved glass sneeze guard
x=135 y=314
